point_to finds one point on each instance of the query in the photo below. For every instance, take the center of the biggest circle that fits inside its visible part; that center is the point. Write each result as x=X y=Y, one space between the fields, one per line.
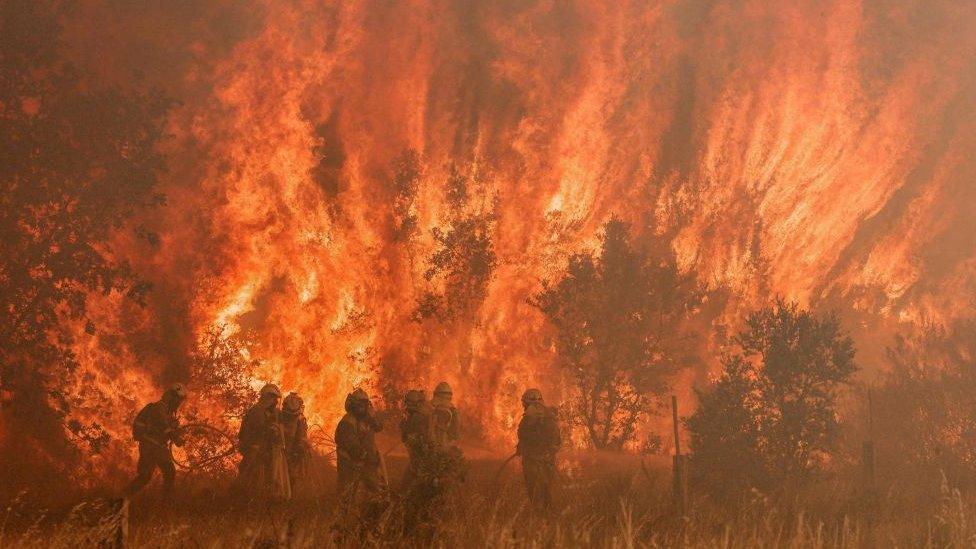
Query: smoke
x=813 y=149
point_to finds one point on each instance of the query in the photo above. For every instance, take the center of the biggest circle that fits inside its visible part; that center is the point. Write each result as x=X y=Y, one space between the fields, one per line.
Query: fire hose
x=190 y=466
x=317 y=436
x=320 y=438
x=501 y=469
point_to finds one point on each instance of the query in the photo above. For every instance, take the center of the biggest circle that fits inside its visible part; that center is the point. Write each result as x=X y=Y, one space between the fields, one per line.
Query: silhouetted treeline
x=76 y=162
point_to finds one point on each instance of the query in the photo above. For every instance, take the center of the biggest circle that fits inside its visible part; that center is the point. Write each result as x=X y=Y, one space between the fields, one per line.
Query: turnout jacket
x=446 y=423
x=355 y=440
x=295 y=430
x=260 y=429
x=538 y=433
x=156 y=424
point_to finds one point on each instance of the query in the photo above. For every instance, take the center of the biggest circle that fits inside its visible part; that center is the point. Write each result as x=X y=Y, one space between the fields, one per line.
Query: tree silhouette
x=76 y=161
x=925 y=407
x=464 y=258
x=769 y=420
x=407 y=169
x=618 y=324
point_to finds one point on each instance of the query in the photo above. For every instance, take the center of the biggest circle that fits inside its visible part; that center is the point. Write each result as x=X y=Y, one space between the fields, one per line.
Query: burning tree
x=464 y=257
x=222 y=370
x=770 y=418
x=220 y=391
x=618 y=318
x=926 y=406
x=407 y=168
x=76 y=161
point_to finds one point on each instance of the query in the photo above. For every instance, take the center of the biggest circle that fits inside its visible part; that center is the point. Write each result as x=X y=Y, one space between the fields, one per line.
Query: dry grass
x=604 y=504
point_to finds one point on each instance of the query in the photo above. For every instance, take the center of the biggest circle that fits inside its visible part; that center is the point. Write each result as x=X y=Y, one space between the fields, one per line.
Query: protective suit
x=298 y=450
x=416 y=432
x=446 y=420
x=357 y=458
x=155 y=428
x=435 y=462
x=538 y=442
x=264 y=467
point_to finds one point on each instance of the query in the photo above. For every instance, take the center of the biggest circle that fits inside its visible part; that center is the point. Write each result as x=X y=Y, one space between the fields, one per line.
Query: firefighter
x=450 y=466
x=538 y=442
x=415 y=431
x=446 y=420
x=436 y=464
x=357 y=458
x=155 y=428
x=295 y=430
x=264 y=469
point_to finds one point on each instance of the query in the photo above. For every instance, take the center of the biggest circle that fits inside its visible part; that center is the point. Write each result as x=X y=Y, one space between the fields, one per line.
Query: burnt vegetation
x=769 y=423
x=407 y=170
x=77 y=161
x=464 y=258
x=620 y=333
x=924 y=412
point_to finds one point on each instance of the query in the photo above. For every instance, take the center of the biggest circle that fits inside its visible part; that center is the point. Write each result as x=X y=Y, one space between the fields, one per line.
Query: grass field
x=602 y=501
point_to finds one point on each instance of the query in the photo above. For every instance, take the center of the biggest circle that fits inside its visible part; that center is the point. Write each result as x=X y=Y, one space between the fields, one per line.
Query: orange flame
x=816 y=149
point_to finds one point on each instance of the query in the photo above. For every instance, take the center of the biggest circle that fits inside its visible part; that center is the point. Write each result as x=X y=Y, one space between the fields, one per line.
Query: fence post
x=867 y=453
x=120 y=534
x=868 y=480
x=679 y=486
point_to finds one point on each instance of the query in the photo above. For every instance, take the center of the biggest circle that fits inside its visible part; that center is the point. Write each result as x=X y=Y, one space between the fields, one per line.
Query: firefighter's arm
x=426 y=434
x=454 y=429
x=521 y=433
x=139 y=427
x=347 y=441
x=245 y=437
x=301 y=435
x=174 y=432
x=552 y=430
x=404 y=425
x=274 y=433
x=372 y=419
x=176 y=435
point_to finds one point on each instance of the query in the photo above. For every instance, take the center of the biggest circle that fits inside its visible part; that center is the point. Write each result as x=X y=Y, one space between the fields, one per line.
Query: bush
x=769 y=420
x=619 y=320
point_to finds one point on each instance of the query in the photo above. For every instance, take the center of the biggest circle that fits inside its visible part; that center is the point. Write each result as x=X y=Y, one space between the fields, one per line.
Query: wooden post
x=869 y=487
x=680 y=473
x=867 y=451
x=120 y=534
x=674 y=417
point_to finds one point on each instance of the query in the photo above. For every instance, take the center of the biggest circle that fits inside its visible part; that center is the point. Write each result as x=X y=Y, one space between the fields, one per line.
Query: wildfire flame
x=815 y=149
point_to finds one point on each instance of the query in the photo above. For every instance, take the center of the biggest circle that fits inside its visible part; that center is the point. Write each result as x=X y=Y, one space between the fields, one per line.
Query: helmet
x=176 y=391
x=271 y=389
x=532 y=396
x=443 y=389
x=413 y=396
x=356 y=397
x=292 y=403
